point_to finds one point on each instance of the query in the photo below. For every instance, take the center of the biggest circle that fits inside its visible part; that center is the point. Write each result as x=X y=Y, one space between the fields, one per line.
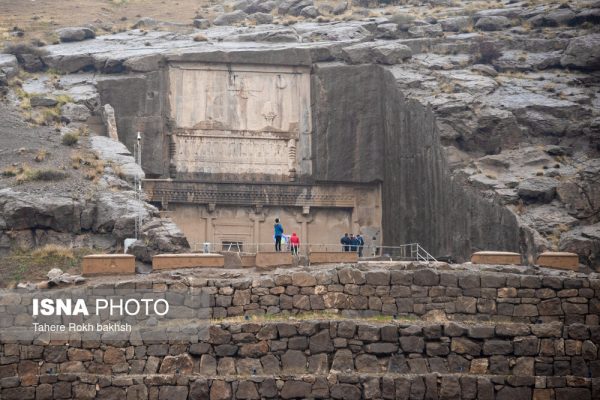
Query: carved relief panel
x=240 y=119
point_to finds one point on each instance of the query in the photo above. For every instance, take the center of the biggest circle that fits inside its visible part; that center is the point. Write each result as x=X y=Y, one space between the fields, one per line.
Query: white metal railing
x=410 y=252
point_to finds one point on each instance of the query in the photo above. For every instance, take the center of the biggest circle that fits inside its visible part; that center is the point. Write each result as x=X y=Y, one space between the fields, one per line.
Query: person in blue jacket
x=278 y=233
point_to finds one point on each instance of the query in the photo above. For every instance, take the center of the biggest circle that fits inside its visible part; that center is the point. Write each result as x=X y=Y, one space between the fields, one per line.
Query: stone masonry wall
x=345 y=359
x=400 y=289
x=526 y=333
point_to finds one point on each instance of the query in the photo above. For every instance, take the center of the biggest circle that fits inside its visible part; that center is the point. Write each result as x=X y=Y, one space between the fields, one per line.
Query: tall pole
x=137 y=155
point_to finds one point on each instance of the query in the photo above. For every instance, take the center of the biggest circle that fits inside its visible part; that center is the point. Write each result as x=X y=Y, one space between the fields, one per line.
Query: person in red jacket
x=295 y=243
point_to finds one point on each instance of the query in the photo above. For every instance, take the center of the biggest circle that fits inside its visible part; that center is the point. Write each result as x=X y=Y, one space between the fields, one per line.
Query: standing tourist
x=361 y=244
x=278 y=228
x=294 y=243
x=345 y=241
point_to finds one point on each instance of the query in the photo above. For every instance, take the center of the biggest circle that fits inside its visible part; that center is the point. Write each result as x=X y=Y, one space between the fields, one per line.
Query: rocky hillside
x=513 y=86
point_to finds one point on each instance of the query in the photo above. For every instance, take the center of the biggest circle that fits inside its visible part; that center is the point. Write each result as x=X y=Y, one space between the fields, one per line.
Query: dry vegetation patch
x=34 y=264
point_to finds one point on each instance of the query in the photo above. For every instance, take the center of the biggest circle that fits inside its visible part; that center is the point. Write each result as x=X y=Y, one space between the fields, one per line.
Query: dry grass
x=40 y=155
x=33 y=265
x=28 y=174
x=118 y=171
x=89 y=163
x=10 y=171
x=54 y=250
x=70 y=138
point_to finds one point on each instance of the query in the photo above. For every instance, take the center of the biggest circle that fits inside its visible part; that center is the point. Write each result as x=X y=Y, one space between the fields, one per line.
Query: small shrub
x=402 y=19
x=10 y=171
x=41 y=155
x=70 y=138
x=118 y=171
x=63 y=99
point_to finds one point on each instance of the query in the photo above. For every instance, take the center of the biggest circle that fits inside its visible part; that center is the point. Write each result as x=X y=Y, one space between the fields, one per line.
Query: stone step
x=336 y=386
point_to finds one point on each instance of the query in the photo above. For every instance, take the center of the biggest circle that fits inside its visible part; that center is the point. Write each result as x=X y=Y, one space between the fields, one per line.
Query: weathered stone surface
x=75 y=34
x=230 y=18
x=582 y=52
x=492 y=23
x=181 y=364
x=388 y=53
x=540 y=189
x=295 y=389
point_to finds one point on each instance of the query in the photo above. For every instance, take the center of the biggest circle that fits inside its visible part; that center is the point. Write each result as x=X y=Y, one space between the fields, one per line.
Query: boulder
x=538 y=189
x=340 y=8
x=9 y=65
x=293 y=7
x=309 y=12
x=387 y=53
x=241 y=4
x=455 y=24
x=20 y=210
x=160 y=235
x=543 y=124
x=261 y=18
x=584 y=241
x=583 y=52
x=31 y=62
x=261 y=6
x=75 y=34
x=42 y=101
x=561 y=16
x=118 y=154
x=116 y=212
x=492 y=23
x=201 y=23
x=75 y=112
x=231 y=18
x=389 y=30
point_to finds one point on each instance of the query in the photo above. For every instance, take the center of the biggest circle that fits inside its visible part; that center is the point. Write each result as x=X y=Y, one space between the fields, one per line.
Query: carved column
x=257 y=217
x=304 y=218
x=209 y=215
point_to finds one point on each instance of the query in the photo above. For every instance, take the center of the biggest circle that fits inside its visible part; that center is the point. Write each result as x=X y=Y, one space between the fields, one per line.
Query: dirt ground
x=40 y=18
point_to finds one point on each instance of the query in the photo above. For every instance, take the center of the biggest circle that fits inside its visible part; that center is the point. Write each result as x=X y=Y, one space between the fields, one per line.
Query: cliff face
x=347 y=111
x=367 y=130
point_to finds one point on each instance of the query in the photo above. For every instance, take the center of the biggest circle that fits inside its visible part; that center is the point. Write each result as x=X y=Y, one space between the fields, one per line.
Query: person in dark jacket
x=353 y=243
x=345 y=241
x=361 y=244
x=278 y=228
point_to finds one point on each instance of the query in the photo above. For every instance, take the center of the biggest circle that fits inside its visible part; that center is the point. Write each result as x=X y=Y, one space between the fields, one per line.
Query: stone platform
x=273 y=259
x=496 y=257
x=559 y=260
x=108 y=264
x=187 y=260
x=332 y=257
